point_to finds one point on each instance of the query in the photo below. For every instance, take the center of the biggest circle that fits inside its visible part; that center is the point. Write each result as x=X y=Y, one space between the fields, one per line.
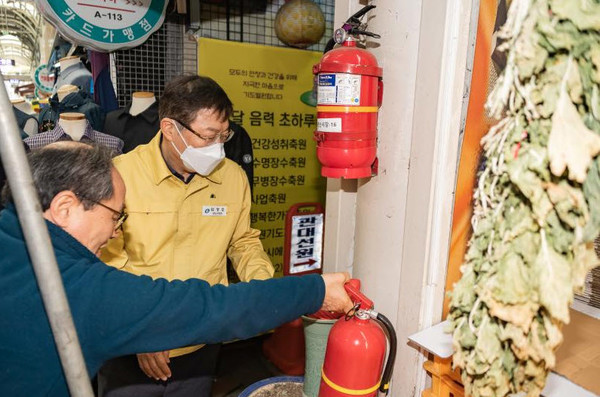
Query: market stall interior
x=445 y=154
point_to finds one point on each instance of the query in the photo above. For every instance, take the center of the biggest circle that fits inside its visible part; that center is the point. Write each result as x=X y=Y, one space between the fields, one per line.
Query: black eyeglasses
x=220 y=137
x=122 y=215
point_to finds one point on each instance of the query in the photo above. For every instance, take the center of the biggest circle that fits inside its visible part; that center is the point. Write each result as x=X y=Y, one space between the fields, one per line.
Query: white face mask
x=201 y=160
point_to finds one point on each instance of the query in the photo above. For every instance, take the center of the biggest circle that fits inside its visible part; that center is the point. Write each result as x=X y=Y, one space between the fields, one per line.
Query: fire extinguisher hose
x=389 y=366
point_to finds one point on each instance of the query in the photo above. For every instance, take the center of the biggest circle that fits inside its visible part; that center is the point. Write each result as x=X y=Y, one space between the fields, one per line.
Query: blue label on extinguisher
x=326 y=80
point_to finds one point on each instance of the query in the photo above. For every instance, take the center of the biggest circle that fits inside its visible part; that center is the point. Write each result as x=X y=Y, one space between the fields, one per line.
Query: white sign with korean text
x=329 y=124
x=306 y=243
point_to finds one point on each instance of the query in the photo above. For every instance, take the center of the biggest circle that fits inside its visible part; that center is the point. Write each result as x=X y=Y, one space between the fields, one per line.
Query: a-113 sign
x=105 y=25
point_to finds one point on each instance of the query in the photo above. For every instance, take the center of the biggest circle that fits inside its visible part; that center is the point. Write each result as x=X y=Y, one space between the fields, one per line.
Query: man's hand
x=155 y=365
x=336 y=298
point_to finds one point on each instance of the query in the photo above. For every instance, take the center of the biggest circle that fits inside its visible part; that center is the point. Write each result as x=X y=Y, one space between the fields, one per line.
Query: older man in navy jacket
x=117 y=313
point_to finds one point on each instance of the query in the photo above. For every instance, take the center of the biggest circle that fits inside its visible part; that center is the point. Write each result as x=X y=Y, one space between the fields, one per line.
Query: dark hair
x=184 y=96
x=83 y=169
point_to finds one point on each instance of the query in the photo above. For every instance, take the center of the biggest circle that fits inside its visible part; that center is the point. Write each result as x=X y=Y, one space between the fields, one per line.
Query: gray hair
x=80 y=168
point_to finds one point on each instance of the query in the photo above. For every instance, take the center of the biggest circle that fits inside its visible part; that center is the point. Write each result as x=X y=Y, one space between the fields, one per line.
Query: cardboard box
x=578 y=359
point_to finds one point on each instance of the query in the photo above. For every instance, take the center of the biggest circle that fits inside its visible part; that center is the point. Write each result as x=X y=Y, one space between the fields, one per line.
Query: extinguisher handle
x=355 y=18
x=389 y=365
x=365 y=33
x=353 y=289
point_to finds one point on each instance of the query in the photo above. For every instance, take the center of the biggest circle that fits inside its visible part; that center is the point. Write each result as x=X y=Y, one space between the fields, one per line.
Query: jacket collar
x=150 y=114
x=158 y=166
x=72 y=101
x=58 y=133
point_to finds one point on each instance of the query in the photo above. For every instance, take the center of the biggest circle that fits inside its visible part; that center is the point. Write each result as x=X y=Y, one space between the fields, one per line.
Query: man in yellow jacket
x=189 y=209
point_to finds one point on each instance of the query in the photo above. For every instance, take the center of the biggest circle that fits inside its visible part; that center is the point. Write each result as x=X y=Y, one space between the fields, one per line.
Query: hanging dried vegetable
x=537 y=201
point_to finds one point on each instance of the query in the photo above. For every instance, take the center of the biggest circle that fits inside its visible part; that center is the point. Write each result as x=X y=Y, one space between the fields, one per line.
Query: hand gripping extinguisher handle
x=389 y=365
x=352 y=287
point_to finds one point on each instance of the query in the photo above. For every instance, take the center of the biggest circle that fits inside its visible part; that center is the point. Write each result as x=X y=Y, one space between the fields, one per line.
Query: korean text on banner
x=265 y=85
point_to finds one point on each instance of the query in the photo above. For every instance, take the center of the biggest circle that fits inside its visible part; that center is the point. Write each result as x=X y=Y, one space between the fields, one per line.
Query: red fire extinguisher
x=356 y=350
x=349 y=95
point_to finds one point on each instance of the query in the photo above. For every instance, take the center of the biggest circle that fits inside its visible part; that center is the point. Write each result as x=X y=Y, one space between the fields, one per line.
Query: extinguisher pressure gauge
x=340 y=35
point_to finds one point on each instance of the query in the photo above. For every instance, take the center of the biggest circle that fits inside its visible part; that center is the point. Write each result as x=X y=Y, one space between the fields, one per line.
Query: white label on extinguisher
x=329 y=125
x=338 y=89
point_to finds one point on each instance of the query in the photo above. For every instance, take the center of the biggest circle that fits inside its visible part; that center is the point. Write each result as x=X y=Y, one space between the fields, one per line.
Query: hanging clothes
x=104 y=92
x=22 y=119
x=133 y=130
x=77 y=102
x=90 y=135
x=76 y=75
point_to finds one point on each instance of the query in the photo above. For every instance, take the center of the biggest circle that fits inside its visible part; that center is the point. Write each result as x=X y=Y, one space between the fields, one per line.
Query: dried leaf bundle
x=537 y=202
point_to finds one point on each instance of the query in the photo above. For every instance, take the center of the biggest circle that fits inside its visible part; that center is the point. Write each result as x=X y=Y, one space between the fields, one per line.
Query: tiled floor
x=240 y=365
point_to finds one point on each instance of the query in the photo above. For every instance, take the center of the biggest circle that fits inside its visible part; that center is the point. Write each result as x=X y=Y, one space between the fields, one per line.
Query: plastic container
x=316 y=333
x=275 y=387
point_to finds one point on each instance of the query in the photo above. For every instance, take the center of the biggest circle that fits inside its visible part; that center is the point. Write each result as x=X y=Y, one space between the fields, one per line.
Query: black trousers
x=192 y=376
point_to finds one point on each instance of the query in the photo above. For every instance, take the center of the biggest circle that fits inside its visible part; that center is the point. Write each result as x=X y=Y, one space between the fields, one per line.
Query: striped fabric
x=58 y=134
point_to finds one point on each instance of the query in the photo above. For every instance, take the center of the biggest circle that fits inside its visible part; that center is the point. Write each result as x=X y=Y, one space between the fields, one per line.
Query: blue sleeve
x=133 y=314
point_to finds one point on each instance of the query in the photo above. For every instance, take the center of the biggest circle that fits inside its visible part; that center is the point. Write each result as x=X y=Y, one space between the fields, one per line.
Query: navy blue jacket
x=77 y=102
x=117 y=313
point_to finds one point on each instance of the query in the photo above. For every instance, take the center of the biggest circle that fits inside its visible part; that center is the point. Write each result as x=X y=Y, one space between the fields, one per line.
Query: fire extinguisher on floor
x=349 y=94
x=356 y=349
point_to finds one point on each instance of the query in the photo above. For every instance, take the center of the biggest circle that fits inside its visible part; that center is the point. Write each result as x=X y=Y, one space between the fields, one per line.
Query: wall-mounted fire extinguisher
x=356 y=349
x=349 y=94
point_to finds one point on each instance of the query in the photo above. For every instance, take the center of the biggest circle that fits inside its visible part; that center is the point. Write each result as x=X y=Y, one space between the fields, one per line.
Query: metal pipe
x=40 y=250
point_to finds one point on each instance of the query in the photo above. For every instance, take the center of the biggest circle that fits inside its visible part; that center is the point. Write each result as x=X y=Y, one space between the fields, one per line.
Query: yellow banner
x=266 y=85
